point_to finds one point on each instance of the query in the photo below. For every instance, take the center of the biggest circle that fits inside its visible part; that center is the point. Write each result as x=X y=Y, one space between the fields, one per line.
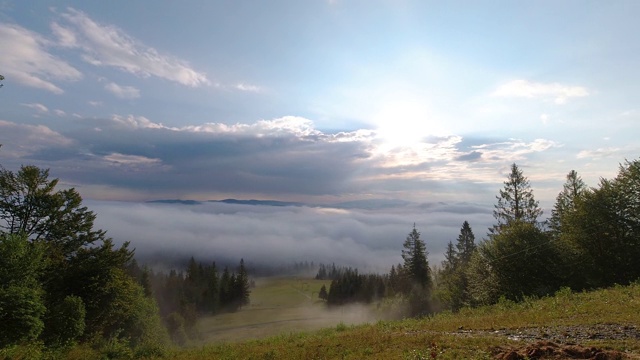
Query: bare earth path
x=560 y=342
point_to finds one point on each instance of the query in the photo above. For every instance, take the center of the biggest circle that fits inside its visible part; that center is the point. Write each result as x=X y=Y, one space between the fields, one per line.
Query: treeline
x=62 y=281
x=332 y=272
x=591 y=240
x=201 y=290
x=411 y=280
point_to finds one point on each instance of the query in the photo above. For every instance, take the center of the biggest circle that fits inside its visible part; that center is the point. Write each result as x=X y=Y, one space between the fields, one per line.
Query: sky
x=318 y=102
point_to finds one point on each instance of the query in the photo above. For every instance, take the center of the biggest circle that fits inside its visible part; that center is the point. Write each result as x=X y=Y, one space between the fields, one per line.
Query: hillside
x=601 y=325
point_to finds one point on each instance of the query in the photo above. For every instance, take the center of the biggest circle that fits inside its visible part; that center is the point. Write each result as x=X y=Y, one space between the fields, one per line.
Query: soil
x=549 y=350
x=560 y=342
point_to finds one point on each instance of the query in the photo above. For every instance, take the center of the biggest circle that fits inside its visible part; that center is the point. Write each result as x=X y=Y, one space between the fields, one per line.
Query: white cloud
x=106 y=45
x=439 y=149
x=38 y=107
x=513 y=150
x=286 y=125
x=598 y=153
x=123 y=92
x=59 y=112
x=527 y=89
x=95 y=103
x=544 y=118
x=247 y=87
x=20 y=140
x=136 y=122
x=66 y=37
x=123 y=159
x=26 y=60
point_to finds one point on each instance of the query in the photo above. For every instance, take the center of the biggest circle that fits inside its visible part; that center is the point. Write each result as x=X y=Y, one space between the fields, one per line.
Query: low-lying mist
x=266 y=235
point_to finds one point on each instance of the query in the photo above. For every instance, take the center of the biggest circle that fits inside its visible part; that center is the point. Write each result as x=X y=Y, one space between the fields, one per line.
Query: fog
x=269 y=235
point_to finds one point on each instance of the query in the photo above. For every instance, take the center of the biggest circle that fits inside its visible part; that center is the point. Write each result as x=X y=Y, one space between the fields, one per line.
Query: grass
x=278 y=305
x=436 y=337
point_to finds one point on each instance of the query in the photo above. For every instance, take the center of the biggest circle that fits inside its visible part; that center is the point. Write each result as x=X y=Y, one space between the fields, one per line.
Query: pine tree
x=415 y=259
x=453 y=283
x=241 y=286
x=225 y=287
x=516 y=202
x=466 y=243
x=450 y=257
x=323 y=293
x=565 y=201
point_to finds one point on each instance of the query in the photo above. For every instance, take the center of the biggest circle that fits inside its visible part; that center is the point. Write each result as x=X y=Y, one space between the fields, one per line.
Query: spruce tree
x=515 y=202
x=241 y=286
x=466 y=243
x=565 y=201
x=415 y=259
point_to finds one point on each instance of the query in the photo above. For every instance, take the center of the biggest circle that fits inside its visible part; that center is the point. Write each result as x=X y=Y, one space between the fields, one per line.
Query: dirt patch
x=566 y=334
x=550 y=350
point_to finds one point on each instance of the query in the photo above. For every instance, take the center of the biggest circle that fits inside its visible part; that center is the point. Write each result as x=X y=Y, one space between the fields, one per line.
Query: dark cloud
x=158 y=158
x=472 y=156
x=285 y=159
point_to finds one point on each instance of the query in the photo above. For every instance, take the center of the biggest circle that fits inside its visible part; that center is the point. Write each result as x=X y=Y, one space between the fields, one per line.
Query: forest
x=64 y=283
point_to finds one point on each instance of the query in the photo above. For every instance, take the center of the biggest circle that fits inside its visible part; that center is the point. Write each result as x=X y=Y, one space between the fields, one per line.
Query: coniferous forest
x=64 y=283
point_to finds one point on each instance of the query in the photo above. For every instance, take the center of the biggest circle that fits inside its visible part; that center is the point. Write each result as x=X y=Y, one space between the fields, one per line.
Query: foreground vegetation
x=469 y=334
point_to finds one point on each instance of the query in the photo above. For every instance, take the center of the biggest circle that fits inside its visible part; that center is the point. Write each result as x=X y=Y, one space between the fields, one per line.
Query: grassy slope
x=278 y=305
x=417 y=339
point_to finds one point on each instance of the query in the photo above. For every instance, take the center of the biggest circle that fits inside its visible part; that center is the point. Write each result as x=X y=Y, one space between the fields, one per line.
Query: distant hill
x=176 y=201
x=369 y=204
x=259 y=202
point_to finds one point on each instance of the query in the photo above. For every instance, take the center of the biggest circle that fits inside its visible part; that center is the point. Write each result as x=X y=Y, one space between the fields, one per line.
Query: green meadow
x=470 y=334
x=279 y=306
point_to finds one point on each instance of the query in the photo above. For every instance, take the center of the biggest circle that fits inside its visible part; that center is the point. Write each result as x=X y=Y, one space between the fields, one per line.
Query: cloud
x=38 y=107
x=471 y=156
x=122 y=159
x=66 y=37
x=135 y=122
x=368 y=239
x=26 y=60
x=599 y=153
x=285 y=158
x=107 y=45
x=123 y=92
x=513 y=150
x=60 y=112
x=247 y=87
x=527 y=89
x=21 y=141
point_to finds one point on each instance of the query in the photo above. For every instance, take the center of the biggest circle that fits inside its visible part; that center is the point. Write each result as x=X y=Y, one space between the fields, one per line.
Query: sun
x=405 y=124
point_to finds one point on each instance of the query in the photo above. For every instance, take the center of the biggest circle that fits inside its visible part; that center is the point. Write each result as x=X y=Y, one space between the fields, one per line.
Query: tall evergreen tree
x=452 y=288
x=466 y=243
x=415 y=259
x=450 y=257
x=515 y=202
x=565 y=201
x=241 y=286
